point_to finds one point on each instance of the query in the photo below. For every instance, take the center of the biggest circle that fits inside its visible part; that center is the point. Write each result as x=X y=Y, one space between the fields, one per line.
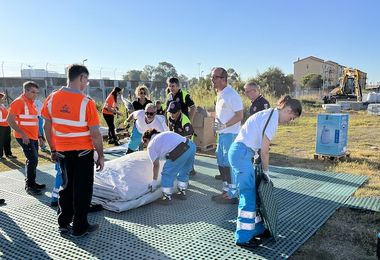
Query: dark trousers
x=75 y=197
x=5 y=140
x=111 y=127
x=31 y=153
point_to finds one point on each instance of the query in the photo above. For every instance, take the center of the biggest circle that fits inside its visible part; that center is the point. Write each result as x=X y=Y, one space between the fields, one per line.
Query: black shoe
x=54 y=204
x=251 y=244
x=218 y=177
x=33 y=191
x=181 y=195
x=2 y=201
x=88 y=230
x=116 y=143
x=11 y=156
x=39 y=186
x=65 y=230
x=111 y=142
x=95 y=208
x=264 y=235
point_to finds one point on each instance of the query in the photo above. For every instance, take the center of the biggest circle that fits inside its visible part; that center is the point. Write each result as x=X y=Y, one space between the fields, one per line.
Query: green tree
x=147 y=73
x=163 y=71
x=275 y=82
x=311 y=81
x=183 y=78
x=233 y=75
x=133 y=75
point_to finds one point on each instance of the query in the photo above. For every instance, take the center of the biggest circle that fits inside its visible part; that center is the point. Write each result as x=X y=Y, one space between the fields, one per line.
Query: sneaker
x=88 y=230
x=33 y=191
x=251 y=244
x=218 y=177
x=39 y=186
x=11 y=156
x=111 y=142
x=116 y=143
x=165 y=200
x=181 y=195
x=2 y=201
x=224 y=199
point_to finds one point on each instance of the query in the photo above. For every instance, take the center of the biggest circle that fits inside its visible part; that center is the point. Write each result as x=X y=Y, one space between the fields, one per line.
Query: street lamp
x=46 y=68
x=199 y=70
x=100 y=74
x=114 y=74
x=83 y=61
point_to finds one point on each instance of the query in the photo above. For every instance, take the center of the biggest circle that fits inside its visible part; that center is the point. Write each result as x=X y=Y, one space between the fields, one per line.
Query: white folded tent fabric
x=103 y=130
x=123 y=184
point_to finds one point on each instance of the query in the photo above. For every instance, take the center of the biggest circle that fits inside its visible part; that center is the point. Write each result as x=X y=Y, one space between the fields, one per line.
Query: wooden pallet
x=206 y=147
x=336 y=158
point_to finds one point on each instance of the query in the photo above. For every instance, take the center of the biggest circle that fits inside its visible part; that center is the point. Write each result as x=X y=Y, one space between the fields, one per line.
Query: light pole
x=46 y=68
x=199 y=70
x=2 y=68
x=114 y=74
x=83 y=61
x=100 y=73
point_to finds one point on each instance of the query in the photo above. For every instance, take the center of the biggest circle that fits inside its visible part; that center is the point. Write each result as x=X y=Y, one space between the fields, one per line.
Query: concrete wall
x=98 y=89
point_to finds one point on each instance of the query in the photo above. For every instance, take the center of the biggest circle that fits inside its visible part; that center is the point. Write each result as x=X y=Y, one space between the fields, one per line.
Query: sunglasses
x=150 y=113
x=142 y=93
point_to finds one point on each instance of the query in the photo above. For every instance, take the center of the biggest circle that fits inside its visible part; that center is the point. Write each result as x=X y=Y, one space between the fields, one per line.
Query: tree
x=147 y=73
x=163 y=71
x=275 y=82
x=133 y=75
x=183 y=78
x=311 y=81
x=232 y=75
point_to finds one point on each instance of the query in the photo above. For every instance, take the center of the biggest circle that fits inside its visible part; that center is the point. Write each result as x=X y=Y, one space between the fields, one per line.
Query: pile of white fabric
x=123 y=183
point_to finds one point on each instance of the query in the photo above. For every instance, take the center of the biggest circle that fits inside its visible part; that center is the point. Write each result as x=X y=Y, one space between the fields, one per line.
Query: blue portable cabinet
x=331 y=133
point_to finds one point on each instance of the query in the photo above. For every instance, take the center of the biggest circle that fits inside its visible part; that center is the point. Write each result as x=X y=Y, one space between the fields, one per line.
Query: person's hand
x=266 y=176
x=25 y=139
x=100 y=164
x=153 y=186
x=218 y=125
x=54 y=156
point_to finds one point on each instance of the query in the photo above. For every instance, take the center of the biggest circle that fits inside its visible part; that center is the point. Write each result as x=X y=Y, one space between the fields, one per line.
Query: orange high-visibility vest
x=3 y=115
x=110 y=102
x=26 y=117
x=70 y=113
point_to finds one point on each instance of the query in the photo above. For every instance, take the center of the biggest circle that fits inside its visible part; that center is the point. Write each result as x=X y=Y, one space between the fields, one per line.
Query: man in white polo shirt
x=229 y=113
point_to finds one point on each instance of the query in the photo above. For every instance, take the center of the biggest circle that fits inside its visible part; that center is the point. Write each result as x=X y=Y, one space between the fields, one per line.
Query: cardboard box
x=205 y=135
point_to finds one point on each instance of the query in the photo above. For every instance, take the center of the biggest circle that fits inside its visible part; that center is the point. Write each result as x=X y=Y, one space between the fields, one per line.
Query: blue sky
x=249 y=36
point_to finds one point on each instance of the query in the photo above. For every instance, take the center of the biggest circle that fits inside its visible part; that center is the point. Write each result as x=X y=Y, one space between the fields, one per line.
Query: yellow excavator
x=350 y=87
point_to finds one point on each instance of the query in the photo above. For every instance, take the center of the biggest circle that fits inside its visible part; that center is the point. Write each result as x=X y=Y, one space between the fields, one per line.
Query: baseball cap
x=174 y=107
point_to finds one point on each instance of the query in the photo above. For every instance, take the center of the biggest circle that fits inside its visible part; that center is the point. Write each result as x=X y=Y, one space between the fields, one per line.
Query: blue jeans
x=31 y=153
x=179 y=168
x=244 y=174
x=135 y=139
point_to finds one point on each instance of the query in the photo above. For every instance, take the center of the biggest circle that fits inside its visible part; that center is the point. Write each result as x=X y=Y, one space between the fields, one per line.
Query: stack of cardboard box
x=203 y=129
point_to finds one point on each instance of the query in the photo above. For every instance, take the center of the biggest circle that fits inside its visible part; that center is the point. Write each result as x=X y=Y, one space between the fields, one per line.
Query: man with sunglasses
x=175 y=93
x=23 y=119
x=228 y=117
x=144 y=120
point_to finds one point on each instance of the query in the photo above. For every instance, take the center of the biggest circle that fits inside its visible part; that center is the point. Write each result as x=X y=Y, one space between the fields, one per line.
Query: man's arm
x=265 y=153
x=98 y=144
x=235 y=119
x=47 y=129
x=12 y=123
x=156 y=167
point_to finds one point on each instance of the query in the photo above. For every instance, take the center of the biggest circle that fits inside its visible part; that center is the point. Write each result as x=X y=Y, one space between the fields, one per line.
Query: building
x=330 y=71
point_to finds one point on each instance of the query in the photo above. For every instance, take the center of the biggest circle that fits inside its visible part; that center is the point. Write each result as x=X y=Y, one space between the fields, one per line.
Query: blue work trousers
x=248 y=225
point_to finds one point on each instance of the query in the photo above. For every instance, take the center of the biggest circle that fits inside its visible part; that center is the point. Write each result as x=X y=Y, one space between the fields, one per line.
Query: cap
x=174 y=107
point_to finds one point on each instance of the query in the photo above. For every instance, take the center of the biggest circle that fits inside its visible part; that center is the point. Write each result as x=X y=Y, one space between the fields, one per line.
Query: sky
x=193 y=35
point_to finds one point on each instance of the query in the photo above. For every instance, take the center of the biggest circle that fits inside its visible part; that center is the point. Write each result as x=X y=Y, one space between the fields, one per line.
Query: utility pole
x=199 y=70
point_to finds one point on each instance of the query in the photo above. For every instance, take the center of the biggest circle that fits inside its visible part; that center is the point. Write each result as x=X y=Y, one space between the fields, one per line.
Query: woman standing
x=142 y=94
x=179 y=154
x=5 y=131
x=256 y=134
x=110 y=109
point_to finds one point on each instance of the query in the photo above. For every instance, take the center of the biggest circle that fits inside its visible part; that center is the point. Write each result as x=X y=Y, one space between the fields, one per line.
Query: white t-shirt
x=158 y=123
x=228 y=102
x=38 y=104
x=252 y=130
x=163 y=143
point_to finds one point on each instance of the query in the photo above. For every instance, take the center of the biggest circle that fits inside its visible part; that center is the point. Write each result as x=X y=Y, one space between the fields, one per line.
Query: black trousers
x=75 y=197
x=111 y=127
x=5 y=140
x=31 y=153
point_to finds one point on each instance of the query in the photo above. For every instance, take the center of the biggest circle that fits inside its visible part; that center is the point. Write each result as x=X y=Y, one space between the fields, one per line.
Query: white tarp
x=118 y=149
x=123 y=183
